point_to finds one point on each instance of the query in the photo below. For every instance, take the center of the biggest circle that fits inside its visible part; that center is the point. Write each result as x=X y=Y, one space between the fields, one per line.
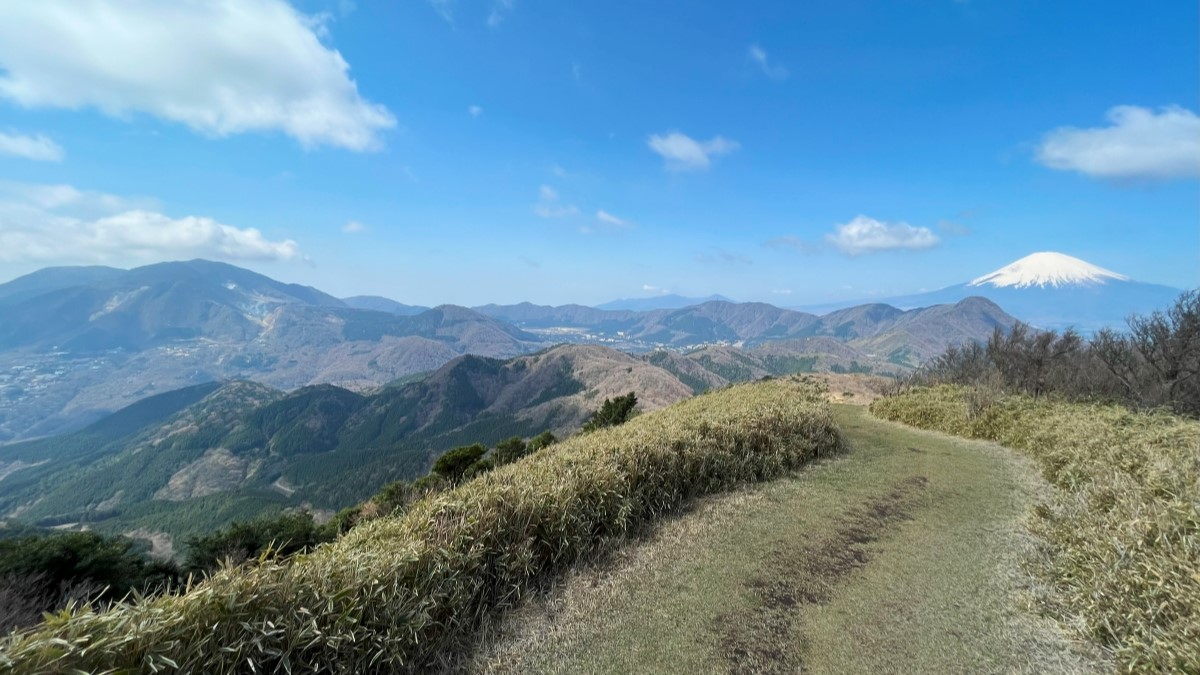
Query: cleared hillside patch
x=403 y=594
x=1122 y=529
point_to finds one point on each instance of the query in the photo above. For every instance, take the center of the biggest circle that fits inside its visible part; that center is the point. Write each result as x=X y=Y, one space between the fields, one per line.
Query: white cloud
x=444 y=8
x=1139 y=143
x=782 y=291
x=759 y=56
x=655 y=289
x=61 y=224
x=867 y=235
x=683 y=153
x=475 y=111
x=38 y=147
x=220 y=67
x=609 y=219
x=548 y=205
x=354 y=227
x=500 y=8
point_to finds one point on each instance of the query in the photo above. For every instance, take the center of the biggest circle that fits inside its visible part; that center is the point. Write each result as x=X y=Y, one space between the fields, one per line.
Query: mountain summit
x=1054 y=290
x=1047 y=268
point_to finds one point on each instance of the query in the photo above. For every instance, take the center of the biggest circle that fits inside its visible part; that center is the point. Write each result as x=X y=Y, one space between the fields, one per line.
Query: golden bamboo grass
x=402 y=594
x=1123 y=530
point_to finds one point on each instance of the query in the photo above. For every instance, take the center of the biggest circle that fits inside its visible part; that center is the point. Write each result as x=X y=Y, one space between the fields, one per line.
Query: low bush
x=1123 y=530
x=403 y=594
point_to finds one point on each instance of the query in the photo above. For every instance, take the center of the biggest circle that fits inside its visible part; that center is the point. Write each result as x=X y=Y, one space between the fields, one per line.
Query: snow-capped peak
x=1048 y=269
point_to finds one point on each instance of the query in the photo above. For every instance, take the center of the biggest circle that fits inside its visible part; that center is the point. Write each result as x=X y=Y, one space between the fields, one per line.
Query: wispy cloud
x=62 y=224
x=609 y=219
x=866 y=235
x=794 y=243
x=774 y=71
x=684 y=153
x=1138 y=144
x=723 y=257
x=444 y=8
x=500 y=9
x=549 y=205
x=655 y=289
x=275 y=75
x=354 y=227
x=781 y=291
x=39 y=147
x=953 y=228
x=474 y=111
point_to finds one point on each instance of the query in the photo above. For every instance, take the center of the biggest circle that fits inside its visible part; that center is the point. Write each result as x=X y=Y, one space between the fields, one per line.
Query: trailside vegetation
x=612 y=412
x=1156 y=363
x=1122 y=529
x=42 y=572
x=403 y=594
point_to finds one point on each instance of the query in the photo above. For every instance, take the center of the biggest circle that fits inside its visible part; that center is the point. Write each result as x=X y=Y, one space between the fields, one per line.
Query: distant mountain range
x=874 y=333
x=381 y=304
x=79 y=343
x=1054 y=291
x=667 y=301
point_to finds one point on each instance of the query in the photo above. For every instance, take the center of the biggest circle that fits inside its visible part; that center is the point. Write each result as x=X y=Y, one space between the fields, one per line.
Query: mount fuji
x=1058 y=291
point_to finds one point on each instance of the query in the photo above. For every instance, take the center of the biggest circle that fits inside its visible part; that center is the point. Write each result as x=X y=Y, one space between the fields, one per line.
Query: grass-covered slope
x=400 y=594
x=1123 y=529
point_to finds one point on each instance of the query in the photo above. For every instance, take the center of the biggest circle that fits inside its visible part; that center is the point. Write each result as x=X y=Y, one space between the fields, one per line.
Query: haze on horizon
x=476 y=151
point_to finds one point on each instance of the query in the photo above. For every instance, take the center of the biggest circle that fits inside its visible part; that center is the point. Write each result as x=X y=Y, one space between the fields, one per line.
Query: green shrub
x=1123 y=528
x=284 y=534
x=542 y=440
x=42 y=572
x=510 y=450
x=613 y=412
x=404 y=594
x=454 y=464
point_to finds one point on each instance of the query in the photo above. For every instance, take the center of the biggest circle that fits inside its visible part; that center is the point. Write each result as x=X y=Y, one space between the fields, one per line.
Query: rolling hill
x=196 y=459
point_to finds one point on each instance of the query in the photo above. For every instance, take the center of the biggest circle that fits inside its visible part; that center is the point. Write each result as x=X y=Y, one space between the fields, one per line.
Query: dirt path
x=902 y=556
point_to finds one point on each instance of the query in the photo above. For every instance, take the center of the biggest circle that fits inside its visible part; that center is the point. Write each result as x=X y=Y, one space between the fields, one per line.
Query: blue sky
x=474 y=151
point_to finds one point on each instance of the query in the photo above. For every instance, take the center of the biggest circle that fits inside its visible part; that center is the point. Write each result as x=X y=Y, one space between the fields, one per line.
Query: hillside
x=194 y=460
x=78 y=343
x=408 y=593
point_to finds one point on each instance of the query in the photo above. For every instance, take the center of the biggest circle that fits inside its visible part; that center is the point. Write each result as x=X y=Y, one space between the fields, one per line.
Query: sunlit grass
x=1123 y=531
x=403 y=593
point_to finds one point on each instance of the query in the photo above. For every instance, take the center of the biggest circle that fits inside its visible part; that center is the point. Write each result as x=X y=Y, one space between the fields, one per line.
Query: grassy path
x=902 y=556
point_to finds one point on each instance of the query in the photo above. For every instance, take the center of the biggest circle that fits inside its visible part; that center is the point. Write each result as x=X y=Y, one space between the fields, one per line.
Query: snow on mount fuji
x=1058 y=291
x=1048 y=269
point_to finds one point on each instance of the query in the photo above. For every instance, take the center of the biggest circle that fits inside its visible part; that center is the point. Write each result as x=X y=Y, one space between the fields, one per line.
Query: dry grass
x=902 y=556
x=1122 y=531
x=405 y=594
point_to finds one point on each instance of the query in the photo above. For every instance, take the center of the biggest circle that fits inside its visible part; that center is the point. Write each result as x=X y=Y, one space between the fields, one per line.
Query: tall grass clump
x=403 y=594
x=1123 y=529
